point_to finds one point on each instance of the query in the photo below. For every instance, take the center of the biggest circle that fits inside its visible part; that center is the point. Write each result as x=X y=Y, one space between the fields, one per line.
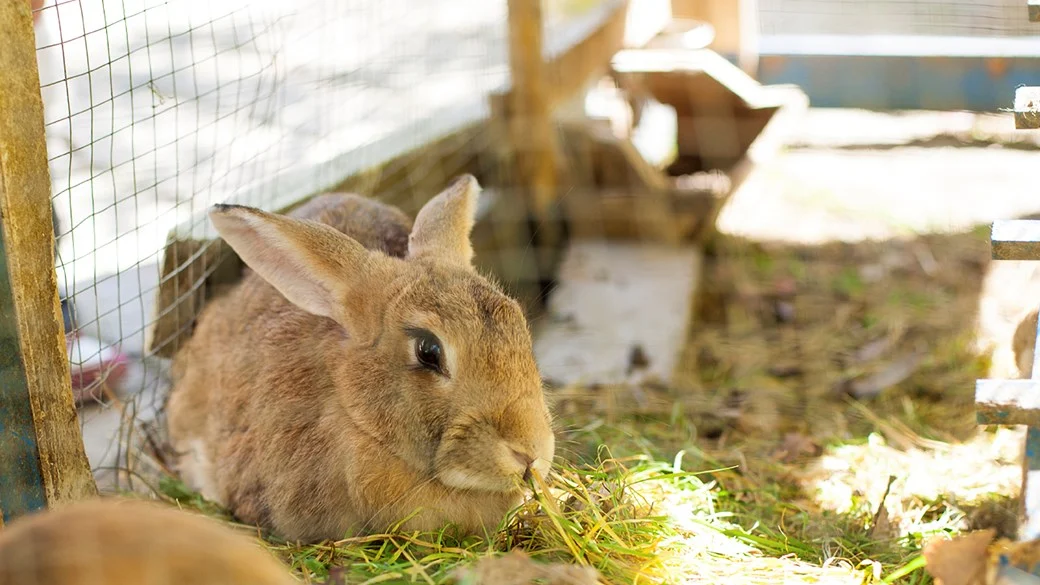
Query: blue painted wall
x=904 y=72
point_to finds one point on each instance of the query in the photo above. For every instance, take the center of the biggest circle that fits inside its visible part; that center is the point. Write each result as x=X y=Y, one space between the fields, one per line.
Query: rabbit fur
x=131 y=542
x=300 y=404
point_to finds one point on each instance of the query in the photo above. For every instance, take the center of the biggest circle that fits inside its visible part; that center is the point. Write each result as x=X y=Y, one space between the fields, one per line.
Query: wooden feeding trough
x=622 y=305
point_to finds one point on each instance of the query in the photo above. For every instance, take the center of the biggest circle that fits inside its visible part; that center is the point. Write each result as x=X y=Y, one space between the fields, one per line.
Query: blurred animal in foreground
x=128 y=542
x=1024 y=344
x=361 y=374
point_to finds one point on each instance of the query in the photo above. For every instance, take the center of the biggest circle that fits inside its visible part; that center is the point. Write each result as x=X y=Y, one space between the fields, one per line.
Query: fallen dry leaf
x=516 y=568
x=795 y=446
x=893 y=374
x=961 y=560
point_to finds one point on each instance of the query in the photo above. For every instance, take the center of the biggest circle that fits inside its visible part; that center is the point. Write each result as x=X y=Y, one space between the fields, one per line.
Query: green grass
x=604 y=517
x=637 y=519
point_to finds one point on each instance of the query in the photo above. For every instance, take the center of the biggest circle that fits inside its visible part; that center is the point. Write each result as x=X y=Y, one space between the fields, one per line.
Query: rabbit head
x=436 y=362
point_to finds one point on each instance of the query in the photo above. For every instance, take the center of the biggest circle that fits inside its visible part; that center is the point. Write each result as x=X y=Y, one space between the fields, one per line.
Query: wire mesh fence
x=157 y=110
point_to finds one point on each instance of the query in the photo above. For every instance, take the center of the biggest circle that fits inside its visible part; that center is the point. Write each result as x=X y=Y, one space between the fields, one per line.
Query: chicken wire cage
x=156 y=110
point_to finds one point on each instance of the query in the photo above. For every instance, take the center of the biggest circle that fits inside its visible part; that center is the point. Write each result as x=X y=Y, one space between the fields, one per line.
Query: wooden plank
x=1034 y=10
x=686 y=64
x=1015 y=239
x=1007 y=402
x=735 y=23
x=531 y=150
x=40 y=424
x=1027 y=108
x=599 y=319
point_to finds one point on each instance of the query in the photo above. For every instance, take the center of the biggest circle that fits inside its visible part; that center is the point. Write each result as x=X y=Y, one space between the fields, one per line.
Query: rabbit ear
x=316 y=267
x=443 y=225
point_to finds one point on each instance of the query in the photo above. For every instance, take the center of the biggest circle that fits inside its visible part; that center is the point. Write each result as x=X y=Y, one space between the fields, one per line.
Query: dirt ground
x=846 y=311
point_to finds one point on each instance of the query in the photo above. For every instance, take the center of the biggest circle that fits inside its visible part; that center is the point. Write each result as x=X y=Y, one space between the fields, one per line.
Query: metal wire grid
x=984 y=18
x=156 y=109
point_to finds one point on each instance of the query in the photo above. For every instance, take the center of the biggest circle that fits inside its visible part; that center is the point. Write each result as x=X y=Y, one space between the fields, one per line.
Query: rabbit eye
x=428 y=351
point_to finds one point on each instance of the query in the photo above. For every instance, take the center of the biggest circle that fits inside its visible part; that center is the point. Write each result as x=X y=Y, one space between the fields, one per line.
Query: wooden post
x=42 y=458
x=529 y=117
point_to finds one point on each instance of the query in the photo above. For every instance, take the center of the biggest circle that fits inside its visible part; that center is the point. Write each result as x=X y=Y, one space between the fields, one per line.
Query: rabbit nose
x=525 y=460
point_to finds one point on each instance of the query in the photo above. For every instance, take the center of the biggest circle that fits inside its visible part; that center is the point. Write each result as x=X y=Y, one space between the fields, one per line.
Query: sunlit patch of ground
x=935 y=486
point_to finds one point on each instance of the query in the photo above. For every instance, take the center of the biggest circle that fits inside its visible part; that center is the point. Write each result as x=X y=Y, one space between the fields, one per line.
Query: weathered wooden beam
x=1034 y=10
x=531 y=129
x=1027 y=108
x=42 y=459
x=1015 y=239
x=1007 y=402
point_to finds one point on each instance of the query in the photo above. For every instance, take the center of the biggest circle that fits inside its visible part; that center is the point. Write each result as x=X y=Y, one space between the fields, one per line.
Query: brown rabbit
x=364 y=374
x=1024 y=344
x=127 y=542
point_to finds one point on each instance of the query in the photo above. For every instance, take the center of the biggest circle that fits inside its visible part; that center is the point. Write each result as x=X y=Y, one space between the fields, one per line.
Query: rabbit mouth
x=464 y=479
x=513 y=476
